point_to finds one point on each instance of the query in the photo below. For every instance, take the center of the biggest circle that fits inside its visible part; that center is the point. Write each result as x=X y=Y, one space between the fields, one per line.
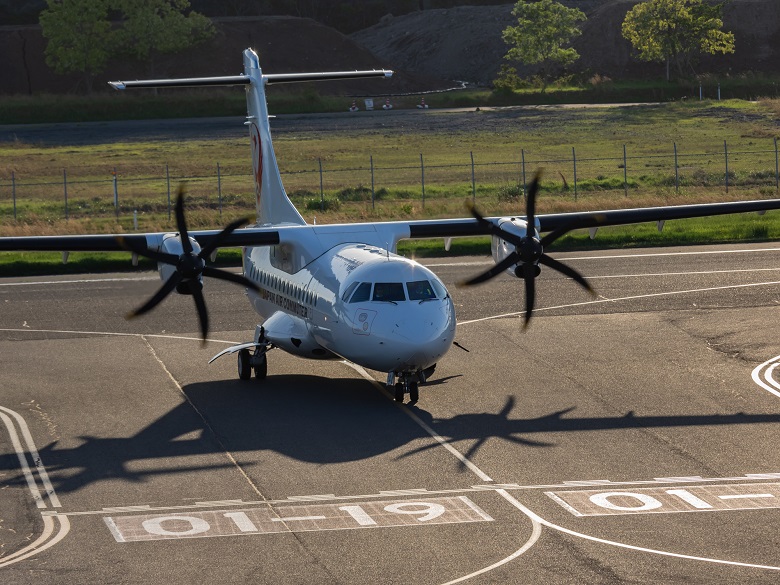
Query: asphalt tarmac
x=624 y=439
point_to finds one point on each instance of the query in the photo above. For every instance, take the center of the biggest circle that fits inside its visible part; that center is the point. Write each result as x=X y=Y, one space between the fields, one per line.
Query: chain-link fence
x=423 y=180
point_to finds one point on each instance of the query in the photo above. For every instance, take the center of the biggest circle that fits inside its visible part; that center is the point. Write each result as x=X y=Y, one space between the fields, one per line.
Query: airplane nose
x=424 y=336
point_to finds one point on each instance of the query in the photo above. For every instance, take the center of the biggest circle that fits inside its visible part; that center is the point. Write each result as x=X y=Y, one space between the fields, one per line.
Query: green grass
x=544 y=137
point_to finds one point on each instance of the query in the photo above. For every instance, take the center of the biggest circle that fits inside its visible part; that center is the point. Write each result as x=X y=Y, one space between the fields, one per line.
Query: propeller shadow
x=310 y=419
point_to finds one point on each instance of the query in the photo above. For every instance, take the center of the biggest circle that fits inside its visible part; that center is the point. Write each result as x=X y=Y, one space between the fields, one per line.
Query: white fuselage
x=353 y=301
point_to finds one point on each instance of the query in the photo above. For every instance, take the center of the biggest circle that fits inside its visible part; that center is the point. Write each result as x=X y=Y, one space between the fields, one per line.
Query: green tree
x=79 y=37
x=154 y=27
x=542 y=36
x=676 y=31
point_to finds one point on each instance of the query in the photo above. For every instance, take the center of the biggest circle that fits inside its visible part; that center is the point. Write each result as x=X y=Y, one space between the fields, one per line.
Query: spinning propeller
x=528 y=253
x=189 y=267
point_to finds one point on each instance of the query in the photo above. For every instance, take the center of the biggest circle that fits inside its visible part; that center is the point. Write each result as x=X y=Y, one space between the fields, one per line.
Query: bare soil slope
x=285 y=44
x=425 y=48
x=465 y=43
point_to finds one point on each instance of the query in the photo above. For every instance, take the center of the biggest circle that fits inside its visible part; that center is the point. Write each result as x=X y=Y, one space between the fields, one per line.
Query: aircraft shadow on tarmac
x=311 y=419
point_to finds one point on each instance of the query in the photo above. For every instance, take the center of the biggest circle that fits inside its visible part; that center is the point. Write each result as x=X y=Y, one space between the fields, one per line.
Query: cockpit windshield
x=417 y=290
x=420 y=290
x=389 y=291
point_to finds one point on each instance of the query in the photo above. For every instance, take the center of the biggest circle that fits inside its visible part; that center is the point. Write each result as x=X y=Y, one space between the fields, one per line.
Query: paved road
x=454 y=120
x=626 y=439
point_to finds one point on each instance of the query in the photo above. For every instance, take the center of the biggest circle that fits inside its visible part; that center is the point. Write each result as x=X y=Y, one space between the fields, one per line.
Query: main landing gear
x=408 y=383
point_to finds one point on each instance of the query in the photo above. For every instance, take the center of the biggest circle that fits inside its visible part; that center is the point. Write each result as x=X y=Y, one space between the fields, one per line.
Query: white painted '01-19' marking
x=663 y=500
x=302 y=518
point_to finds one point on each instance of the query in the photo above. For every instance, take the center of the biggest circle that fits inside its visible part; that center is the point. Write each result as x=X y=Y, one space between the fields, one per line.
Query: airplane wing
x=449 y=228
x=125 y=242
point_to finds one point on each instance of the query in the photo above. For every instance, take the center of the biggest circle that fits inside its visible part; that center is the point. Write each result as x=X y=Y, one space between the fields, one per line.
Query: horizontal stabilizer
x=246 y=80
x=185 y=82
x=327 y=76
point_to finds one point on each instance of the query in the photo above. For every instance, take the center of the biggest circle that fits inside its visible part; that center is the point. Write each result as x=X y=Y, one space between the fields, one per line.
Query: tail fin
x=273 y=205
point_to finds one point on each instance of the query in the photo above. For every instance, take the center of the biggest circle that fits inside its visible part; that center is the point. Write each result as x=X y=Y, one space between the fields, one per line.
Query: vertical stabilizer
x=273 y=205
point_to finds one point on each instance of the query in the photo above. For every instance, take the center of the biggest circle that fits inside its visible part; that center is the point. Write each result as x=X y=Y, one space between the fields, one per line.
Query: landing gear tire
x=261 y=369
x=399 y=392
x=244 y=366
x=414 y=392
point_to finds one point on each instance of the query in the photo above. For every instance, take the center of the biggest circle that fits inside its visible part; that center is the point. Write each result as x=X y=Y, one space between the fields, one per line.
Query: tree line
x=672 y=32
x=83 y=35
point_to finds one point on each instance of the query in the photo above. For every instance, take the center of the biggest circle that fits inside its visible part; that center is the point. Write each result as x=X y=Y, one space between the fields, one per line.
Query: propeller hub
x=190 y=265
x=530 y=250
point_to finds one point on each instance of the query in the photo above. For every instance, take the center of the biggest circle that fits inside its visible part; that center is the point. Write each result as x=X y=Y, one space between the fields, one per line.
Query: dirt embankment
x=425 y=48
x=465 y=43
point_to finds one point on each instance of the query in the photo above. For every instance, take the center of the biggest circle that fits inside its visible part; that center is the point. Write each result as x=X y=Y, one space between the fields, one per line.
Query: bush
x=510 y=192
x=327 y=204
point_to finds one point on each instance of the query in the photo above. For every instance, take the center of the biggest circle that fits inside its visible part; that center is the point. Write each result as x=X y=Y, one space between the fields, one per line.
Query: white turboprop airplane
x=340 y=291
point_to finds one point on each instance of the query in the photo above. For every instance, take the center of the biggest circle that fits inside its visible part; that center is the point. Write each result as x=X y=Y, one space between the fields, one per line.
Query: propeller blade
x=556 y=233
x=230 y=277
x=529 y=275
x=220 y=237
x=530 y=203
x=510 y=260
x=181 y=222
x=163 y=292
x=567 y=271
x=203 y=315
x=146 y=252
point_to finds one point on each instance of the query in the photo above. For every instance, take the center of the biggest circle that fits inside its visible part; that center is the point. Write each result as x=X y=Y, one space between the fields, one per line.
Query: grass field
x=707 y=135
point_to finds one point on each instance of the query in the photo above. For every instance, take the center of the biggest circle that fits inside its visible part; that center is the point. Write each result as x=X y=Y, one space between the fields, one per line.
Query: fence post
x=522 y=159
x=473 y=181
x=13 y=185
x=719 y=91
x=322 y=191
x=422 y=179
x=373 y=195
x=116 y=194
x=777 y=169
x=676 y=171
x=219 y=188
x=625 y=171
x=65 y=189
x=726 y=154
x=574 y=160
x=168 y=183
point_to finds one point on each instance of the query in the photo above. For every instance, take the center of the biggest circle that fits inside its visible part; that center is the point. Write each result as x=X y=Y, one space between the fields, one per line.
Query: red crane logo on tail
x=257 y=159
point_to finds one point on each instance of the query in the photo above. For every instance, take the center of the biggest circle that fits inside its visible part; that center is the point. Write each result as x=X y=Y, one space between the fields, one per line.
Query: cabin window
x=362 y=294
x=389 y=291
x=441 y=292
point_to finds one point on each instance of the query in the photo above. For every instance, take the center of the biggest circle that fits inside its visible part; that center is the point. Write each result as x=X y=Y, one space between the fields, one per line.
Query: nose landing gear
x=408 y=383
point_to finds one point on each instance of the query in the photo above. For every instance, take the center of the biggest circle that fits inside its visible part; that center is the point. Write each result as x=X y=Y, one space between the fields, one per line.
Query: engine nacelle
x=171 y=244
x=500 y=248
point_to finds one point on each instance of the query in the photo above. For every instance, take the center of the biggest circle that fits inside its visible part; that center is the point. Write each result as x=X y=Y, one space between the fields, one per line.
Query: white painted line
x=618 y=299
x=438 y=438
x=536 y=532
x=81 y=281
x=668 y=254
x=535 y=517
x=476 y=508
x=22 y=457
x=745 y=496
x=298 y=518
x=112 y=527
x=112 y=334
x=563 y=503
x=47 y=486
x=48 y=537
x=43 y=542
x=756 y=375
